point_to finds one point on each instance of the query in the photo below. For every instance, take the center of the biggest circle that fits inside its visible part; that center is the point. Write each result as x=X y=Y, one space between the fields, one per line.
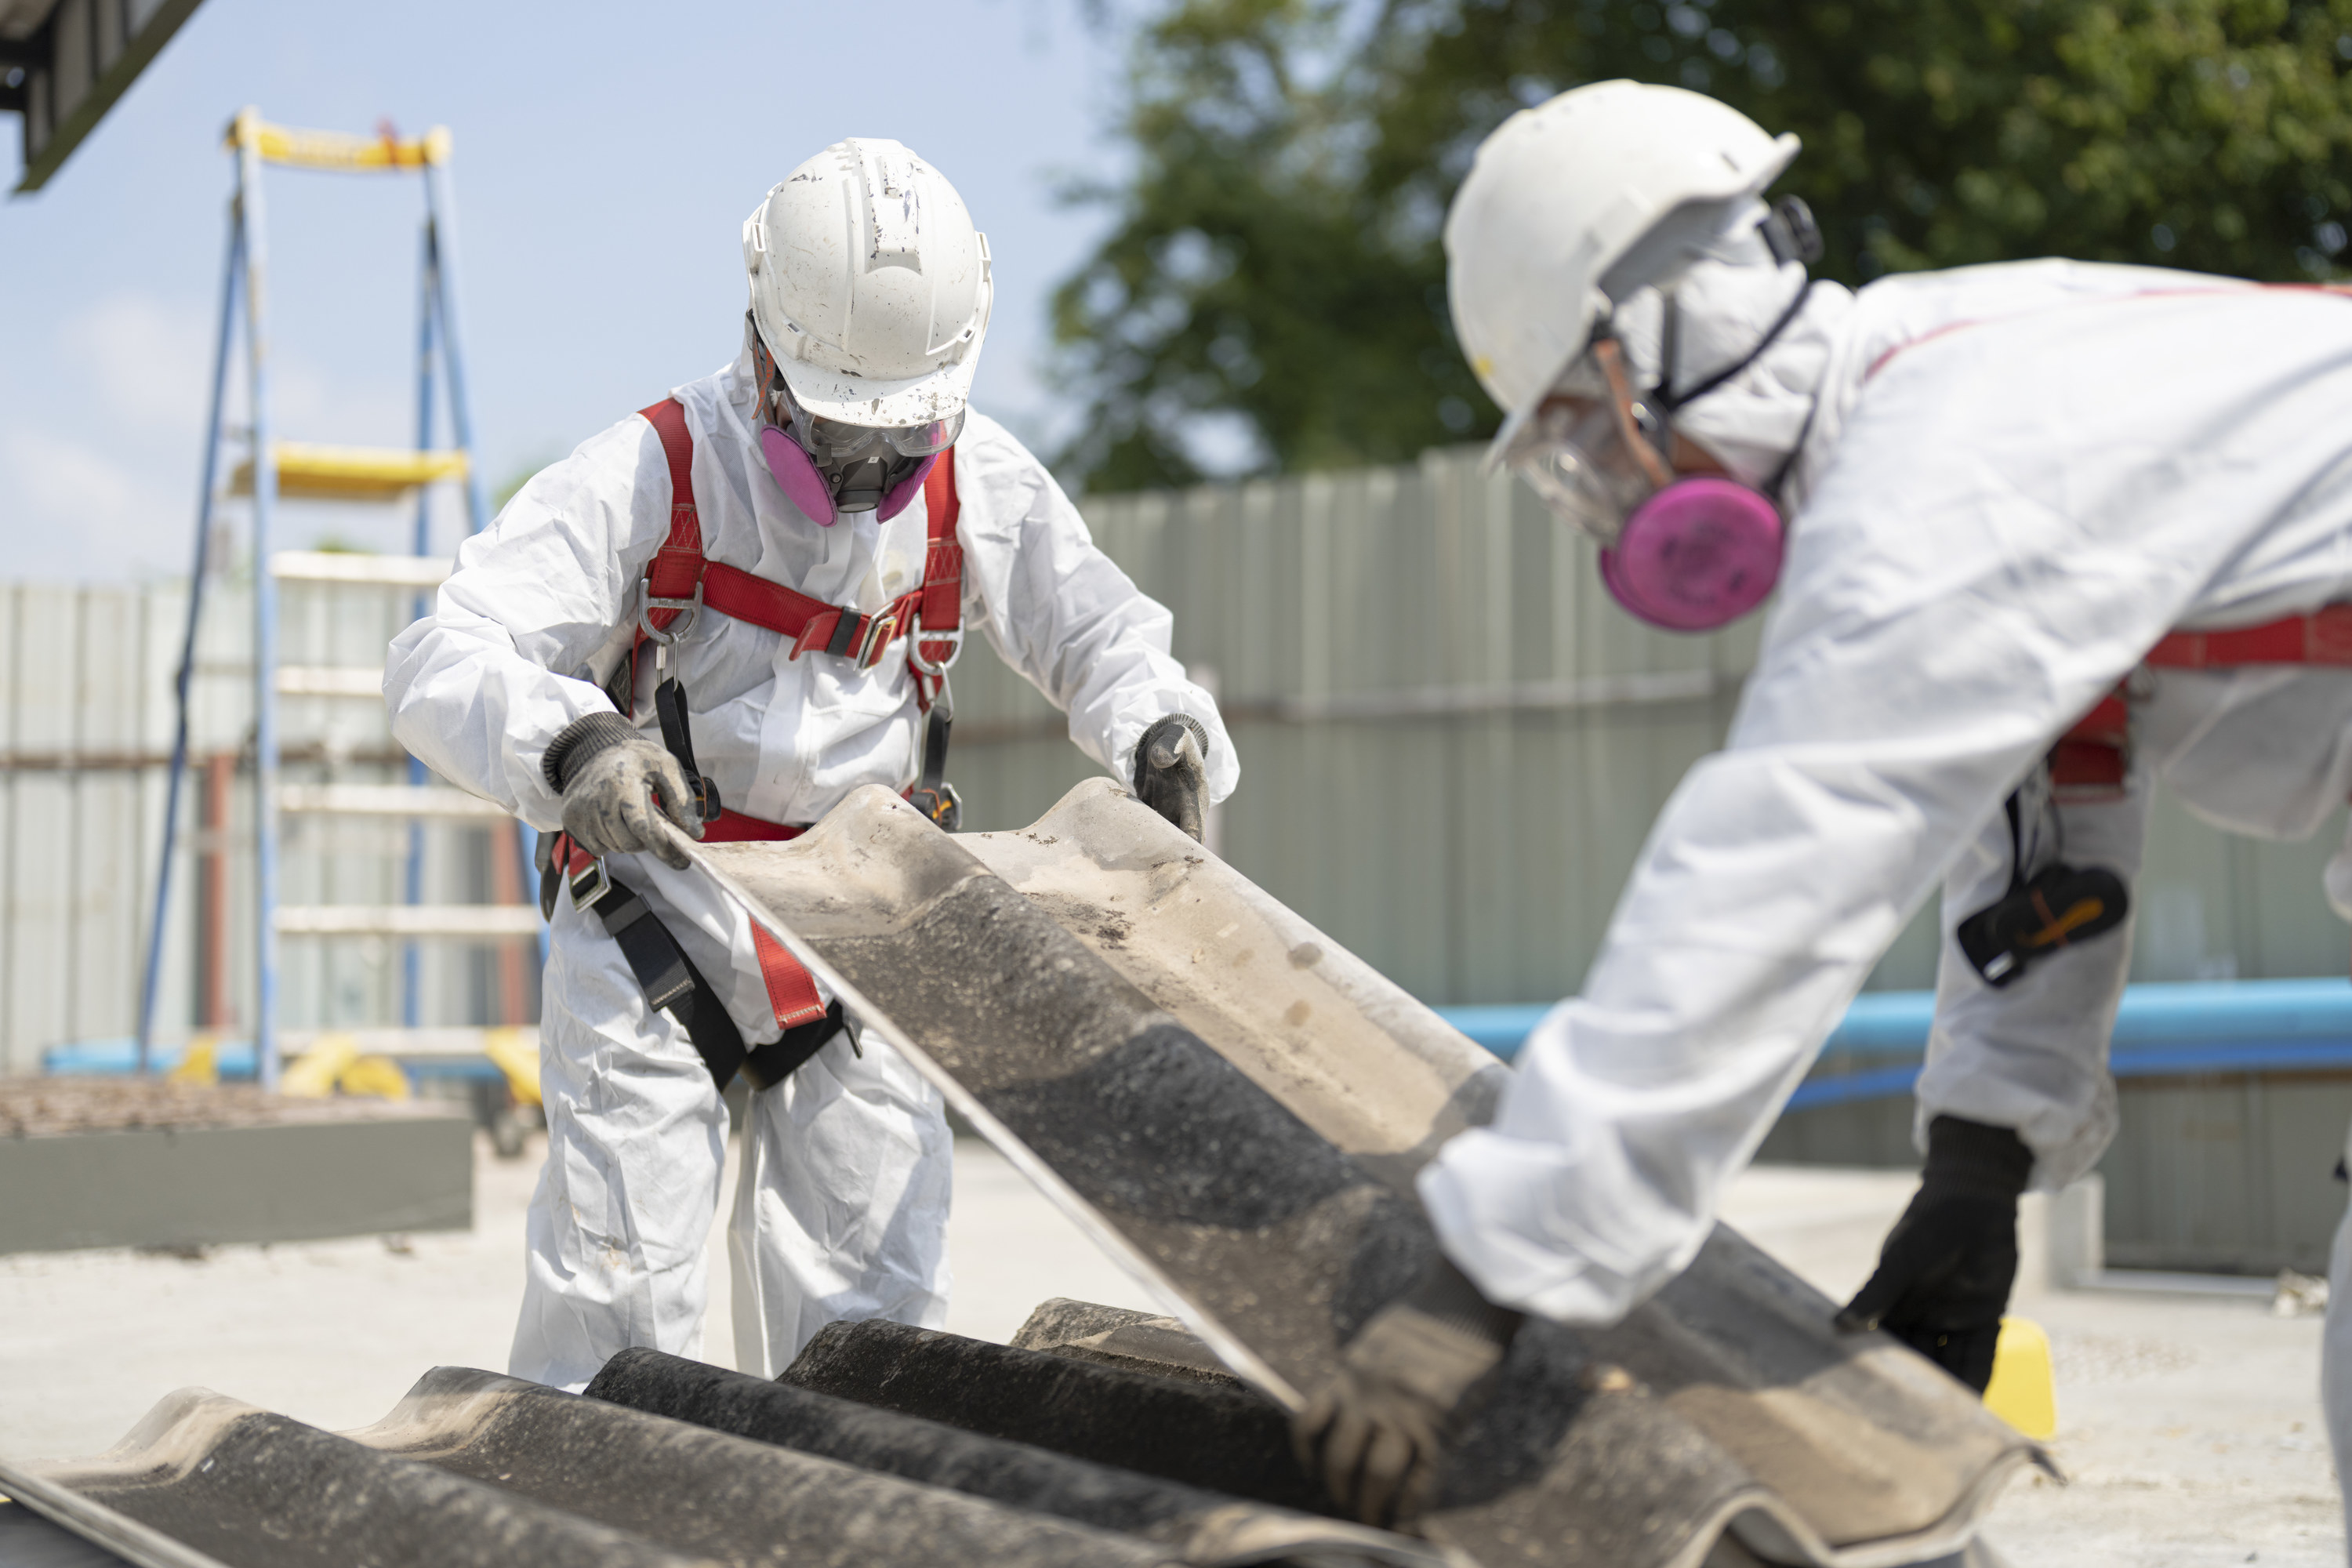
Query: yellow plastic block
x=306 y=472
x=339 y=151
x=517 y=1059
x=375 y=1078
x=315 y=1073
x=199 y=1064
x=2024 y=1390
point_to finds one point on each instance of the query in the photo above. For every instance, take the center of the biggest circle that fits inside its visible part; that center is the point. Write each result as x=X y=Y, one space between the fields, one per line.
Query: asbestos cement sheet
x=477 y=1471
x=1234 y=1105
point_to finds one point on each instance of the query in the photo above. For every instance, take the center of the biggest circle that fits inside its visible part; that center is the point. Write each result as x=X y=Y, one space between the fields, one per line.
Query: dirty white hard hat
x=870 y=286
x=1574 y=204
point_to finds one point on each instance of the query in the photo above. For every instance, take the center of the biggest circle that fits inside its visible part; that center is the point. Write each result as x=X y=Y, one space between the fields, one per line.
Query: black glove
x=1171 y=771
x=612 y=778
x=1377 y=1433
x=1945 y=1273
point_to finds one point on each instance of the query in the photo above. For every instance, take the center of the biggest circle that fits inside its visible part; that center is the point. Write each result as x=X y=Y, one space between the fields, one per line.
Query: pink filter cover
x=1697 y=556
x=797 y=473
x=895 y=499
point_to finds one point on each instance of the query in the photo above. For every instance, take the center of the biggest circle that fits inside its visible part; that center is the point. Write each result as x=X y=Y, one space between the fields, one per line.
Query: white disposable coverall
x=843 y=1200
x=2018 y=478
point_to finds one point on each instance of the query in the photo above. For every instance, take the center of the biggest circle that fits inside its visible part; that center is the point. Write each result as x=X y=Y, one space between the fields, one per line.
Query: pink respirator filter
x=1697 y=556
x=796 y=475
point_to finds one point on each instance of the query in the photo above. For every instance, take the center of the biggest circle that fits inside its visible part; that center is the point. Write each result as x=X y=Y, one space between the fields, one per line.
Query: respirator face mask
x=1691 y=553
x=827 y=467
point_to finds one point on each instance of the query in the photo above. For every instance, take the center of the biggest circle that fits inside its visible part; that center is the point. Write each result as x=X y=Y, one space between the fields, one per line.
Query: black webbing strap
x=932 y=795
x=677 y=737
x=668 y=978
x=672 y=984
x=935 y=746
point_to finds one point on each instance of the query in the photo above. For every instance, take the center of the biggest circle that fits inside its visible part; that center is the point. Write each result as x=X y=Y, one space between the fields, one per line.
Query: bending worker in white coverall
x=2007 y=488
x=734 y=609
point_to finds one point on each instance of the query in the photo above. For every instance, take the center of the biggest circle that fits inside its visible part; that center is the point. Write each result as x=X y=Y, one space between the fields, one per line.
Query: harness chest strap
x=2089 y=760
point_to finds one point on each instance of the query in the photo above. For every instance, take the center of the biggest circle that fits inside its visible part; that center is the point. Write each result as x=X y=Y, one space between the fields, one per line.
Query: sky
x=605 y=158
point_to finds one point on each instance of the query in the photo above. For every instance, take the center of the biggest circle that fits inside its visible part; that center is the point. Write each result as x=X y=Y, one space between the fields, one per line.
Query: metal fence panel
x=1452 y=746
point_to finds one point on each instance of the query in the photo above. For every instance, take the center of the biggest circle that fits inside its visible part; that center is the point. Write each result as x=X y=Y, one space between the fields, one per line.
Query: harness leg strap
x=670 y=981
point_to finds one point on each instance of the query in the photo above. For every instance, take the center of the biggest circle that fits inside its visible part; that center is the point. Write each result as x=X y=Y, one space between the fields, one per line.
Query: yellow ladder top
x=336 y=149
x=306 y=472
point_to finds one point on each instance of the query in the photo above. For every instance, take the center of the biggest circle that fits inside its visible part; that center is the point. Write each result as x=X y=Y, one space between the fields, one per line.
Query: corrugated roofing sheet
x=1235 y=1107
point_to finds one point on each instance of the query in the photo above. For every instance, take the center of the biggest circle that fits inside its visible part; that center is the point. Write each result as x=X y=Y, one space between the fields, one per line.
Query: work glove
x=614 y=778
x=1171 y=771
x=1377 y=1433
x=1945 y=1273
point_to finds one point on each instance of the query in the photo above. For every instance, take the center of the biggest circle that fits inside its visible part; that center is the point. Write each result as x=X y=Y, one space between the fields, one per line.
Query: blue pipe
x=2161 y=1031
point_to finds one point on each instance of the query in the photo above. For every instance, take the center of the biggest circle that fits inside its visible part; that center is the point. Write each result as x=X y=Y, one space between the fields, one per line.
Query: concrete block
x=201 y=1186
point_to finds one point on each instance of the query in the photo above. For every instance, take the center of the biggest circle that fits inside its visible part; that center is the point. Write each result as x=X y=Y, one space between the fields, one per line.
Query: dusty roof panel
x=1239 y=1106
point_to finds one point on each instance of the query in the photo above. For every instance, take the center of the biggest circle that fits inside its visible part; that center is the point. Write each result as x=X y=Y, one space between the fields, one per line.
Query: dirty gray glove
x=1376 y=1434
x=1943 y=1276
x=612 y=778
x=1171 y=771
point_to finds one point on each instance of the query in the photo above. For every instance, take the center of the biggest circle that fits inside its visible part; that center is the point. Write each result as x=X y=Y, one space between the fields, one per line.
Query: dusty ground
x=2190 y=1428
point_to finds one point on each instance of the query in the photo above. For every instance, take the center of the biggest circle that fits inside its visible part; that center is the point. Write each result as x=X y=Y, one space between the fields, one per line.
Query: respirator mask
x=828 y=467
x=1690 y=553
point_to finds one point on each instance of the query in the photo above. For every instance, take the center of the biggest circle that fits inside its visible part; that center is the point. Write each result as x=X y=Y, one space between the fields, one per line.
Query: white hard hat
x=1572 y=206
x=870 y=286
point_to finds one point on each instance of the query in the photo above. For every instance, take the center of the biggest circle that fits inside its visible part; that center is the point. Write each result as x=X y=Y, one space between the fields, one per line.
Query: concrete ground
x=2190 y=1428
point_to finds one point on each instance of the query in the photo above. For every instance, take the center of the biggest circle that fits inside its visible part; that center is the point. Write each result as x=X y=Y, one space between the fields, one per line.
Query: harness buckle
x=874 y=639
x=589 y=884
x=919 y=635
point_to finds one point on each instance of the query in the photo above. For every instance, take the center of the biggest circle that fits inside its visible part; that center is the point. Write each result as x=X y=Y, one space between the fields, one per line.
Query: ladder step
x=479 y=922
x=387 y=800
x=331 y=680
x=349 y=566
x=307 y=472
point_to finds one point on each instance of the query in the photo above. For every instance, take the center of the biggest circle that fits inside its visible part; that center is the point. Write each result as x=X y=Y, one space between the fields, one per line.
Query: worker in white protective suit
x=731 y=611
x=2006 y=489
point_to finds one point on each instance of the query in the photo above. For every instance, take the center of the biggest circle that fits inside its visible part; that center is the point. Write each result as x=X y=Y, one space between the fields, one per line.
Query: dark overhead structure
x=64 y=62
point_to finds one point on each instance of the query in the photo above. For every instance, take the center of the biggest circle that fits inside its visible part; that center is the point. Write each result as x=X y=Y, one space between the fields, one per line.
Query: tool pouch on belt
x=2058 y=906
x=2039 y=915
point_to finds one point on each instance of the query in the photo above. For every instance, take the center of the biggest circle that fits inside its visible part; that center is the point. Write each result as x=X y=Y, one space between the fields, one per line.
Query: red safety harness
x=2090 y=760
x=680 y=578
x=681 y=581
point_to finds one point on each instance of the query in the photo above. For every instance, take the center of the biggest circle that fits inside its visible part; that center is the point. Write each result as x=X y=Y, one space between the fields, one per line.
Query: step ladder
x=273 y=470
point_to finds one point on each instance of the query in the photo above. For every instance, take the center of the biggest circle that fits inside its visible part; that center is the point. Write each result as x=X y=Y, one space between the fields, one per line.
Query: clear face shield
x=1688 y=552
x=1593 y=451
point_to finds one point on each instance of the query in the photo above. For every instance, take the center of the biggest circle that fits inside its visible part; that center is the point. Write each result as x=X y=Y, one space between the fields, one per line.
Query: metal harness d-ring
x=677 y=630
x=917 y=636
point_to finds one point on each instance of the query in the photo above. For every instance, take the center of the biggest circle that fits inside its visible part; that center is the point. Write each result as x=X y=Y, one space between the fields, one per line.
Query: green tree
x=1274 y=264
